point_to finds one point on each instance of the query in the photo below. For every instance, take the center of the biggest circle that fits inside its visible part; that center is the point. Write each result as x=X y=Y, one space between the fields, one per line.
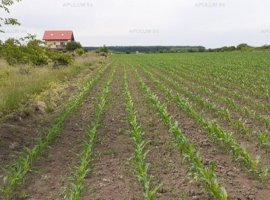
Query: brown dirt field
x=112 y=177
x=231 y=89
x=246 y=142
x=165 y=160
x=238 y=183
x=19 y=130
x=50 y=174
x=189 y=83
x=229 y=93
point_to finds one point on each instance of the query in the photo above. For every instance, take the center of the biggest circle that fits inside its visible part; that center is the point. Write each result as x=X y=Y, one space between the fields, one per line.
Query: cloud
x=211 y=23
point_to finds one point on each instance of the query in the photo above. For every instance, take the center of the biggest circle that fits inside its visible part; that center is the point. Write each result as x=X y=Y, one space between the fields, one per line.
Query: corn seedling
x=206 y=176
x=140 y=146
x=223 y=138
x=18 y=171
x=81 y=171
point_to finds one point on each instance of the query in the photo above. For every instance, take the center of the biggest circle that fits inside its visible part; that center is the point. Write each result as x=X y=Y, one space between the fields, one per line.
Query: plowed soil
x=112 y=171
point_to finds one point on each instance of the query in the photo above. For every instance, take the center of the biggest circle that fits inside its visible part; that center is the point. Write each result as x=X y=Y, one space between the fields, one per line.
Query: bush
x=244 y=47
x=40 y=59
x=1 y=49
x=79 y=51
x=37 y=54
x=14 y=52
x=61 y=59
x=103 y=49
x=71 y=46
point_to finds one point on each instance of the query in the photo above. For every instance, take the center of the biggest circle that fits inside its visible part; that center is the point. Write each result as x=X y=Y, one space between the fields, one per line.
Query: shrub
x=103 y=49
x=61 y=59
x=37 y=54
x=71 y=46
x=244 y=47
x=1 y=49
x=32 y=53
x=79 y=51
x=14 y=53
x=40 y=59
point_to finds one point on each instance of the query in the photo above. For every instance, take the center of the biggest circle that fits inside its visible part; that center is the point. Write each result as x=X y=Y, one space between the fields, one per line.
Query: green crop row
x=240 y=81
x=215 y=86
x=223 y=138
x=17 y=172
x=190 y=154
x=189 y=71
x=225 y=100
x=139 y=144
x=75 y=190
x=252 y=80
x=221 y=112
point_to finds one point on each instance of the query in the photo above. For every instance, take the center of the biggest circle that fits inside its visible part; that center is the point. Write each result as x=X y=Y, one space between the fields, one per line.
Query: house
x=58 y=39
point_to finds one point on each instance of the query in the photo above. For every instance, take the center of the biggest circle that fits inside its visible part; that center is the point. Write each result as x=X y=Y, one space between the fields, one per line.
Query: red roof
x=58 y=35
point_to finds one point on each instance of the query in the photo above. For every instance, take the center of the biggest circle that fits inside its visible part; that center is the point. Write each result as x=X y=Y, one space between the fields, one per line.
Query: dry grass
x=20 y=82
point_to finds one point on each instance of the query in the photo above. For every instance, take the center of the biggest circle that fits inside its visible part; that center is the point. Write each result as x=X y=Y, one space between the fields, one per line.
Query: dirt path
x=239 y=184
x=50 y=175
x=112 y=177
x=165 y=160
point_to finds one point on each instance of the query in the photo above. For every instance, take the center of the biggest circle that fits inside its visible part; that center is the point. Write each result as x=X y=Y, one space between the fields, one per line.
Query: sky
x=210 y=23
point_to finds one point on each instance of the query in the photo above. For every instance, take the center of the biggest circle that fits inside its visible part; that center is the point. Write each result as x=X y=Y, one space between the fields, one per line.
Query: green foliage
x=244 y=47
x=1 y=49
x=81 y=171
x=14 y=52
x=71 y=46
x=61 y=59
x=4 y=5
x=140 y=146
x=219 y=135
x=240 y=47
x=191 y=155
x=79 y=51
x=29 y=50
x=102 y=51
x=264 y=47
x=37 y=55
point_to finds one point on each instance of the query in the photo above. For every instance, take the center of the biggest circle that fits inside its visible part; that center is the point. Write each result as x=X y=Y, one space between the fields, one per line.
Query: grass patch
x=19 y=83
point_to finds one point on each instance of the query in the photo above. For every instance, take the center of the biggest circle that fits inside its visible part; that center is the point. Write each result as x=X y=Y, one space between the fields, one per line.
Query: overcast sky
x=211 y=23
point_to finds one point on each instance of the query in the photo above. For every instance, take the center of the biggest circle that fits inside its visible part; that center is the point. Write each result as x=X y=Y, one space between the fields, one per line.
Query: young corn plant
x=228 y=100
x=237 y=94
x=223 y=138
x=221 y=112
x=190 y=154
x=17 y=172
x=140 y=146
x=264 y=140
x=76 y=188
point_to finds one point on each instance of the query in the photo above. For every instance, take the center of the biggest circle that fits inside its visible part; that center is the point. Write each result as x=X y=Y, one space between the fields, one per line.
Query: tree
x=4 y=5
x=103 y=49
x=243 y=47
x=71 y=46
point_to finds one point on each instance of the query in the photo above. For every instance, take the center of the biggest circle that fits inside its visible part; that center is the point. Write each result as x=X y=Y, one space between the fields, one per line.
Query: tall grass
x=20 y=82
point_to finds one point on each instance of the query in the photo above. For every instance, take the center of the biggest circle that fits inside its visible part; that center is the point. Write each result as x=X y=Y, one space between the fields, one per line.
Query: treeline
x=240 y=47
x=151 y=49
x=178 y=49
